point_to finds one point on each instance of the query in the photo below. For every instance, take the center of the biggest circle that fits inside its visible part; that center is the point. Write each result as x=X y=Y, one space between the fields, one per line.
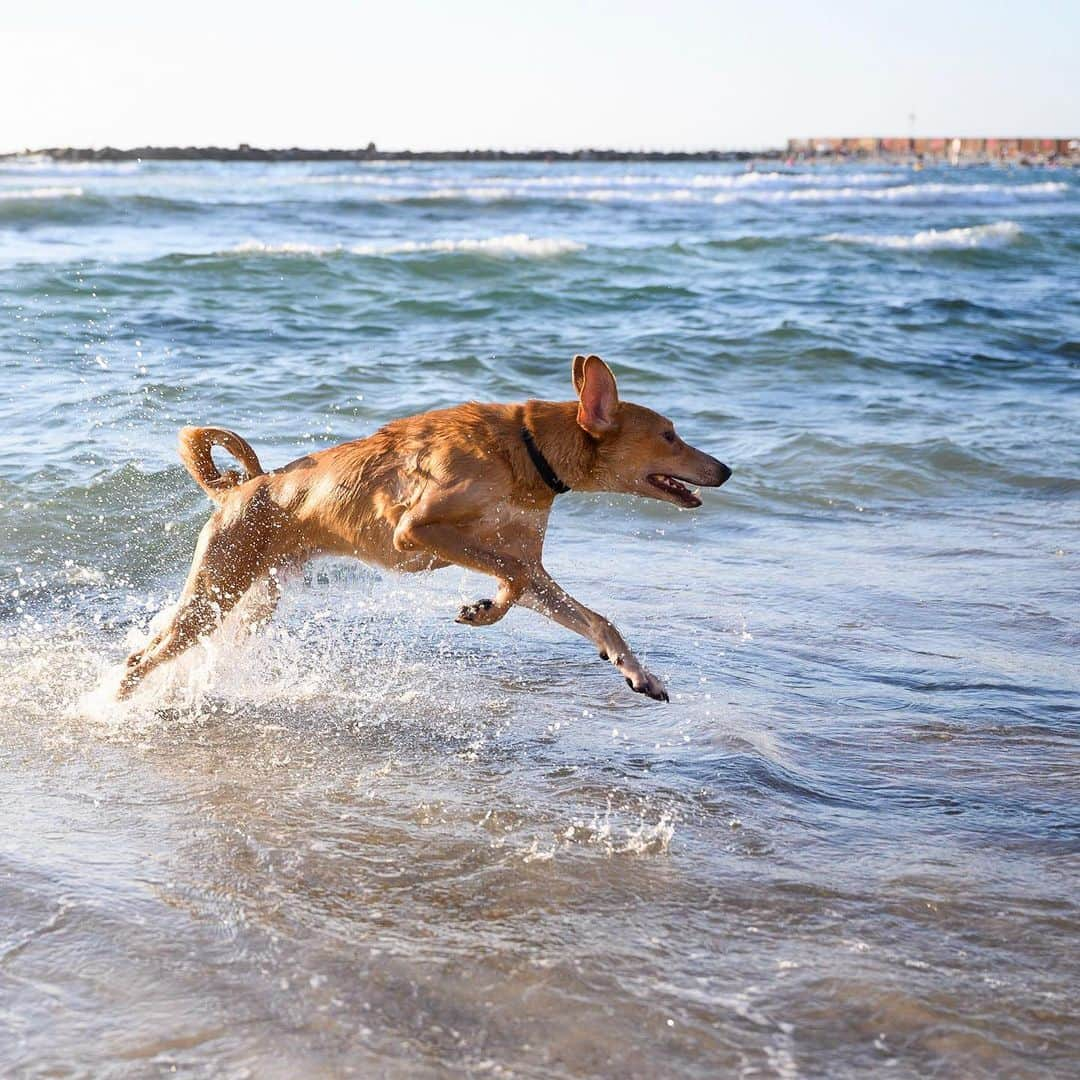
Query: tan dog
x=470 y=486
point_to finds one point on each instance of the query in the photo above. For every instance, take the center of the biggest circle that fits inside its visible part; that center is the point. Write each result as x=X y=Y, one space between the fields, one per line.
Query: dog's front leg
x=545 y=595
x=454 y=544
x=488 y=612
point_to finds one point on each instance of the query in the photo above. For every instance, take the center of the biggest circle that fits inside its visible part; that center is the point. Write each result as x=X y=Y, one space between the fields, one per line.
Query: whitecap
x=503 y=185
x=358 y=178
x=520 y=244
x=754 y=179
x=763 y=187
x=513 y=244
x=932 y=192
x=475 y=192
x=995 y=234
x=258 y=247
x=41 y=193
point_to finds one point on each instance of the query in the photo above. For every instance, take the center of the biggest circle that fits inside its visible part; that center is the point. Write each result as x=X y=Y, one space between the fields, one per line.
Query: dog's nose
x=723 y=473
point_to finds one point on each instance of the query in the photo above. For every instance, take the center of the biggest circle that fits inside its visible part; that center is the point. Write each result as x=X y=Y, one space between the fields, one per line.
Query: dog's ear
x=578 y=371
x=597 y=394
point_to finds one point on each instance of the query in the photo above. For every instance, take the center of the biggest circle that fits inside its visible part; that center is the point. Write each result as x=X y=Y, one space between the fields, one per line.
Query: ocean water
x=371 y=842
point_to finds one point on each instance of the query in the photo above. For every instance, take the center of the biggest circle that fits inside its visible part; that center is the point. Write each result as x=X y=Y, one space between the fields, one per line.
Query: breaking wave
x=747 y=188
x=513 y=244
x=500 y=183
x=995 y=234
x=54 y=192
x=931 y=193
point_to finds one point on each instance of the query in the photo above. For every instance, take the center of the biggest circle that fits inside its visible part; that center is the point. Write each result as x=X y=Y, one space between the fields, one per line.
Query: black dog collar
x=543 y=466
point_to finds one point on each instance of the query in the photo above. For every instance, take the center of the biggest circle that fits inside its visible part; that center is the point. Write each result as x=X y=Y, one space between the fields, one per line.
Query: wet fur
x=455 y=486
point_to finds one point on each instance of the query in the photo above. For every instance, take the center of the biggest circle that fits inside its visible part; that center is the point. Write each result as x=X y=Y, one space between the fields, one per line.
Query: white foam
x=476 y=192
x=31 y=162
x=348 y=178
x=649 y=833
x=257 y=247
x=504 y=183
x=310 y=653
x=754 y=179
x=520 y=244
x=608 y=194
x=720 y=188
x=933 y=192
x=995 y=234
x=512 y=244
x=41 y=193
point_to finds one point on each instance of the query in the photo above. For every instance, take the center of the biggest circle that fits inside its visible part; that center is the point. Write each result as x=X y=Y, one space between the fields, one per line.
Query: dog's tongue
x=687 y=497
x=690 y=498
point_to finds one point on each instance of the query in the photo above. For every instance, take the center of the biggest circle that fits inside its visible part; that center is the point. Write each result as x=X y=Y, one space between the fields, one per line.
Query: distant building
x=970 y=149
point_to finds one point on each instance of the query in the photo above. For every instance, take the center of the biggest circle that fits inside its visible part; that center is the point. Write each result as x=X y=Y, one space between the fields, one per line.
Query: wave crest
x=54 y=192
x=933 y=192
x=995 y=234
x=512 y=244
x=754 y=188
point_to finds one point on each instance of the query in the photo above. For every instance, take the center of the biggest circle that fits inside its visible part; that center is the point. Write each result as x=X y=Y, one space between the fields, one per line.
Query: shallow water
x=372 y=842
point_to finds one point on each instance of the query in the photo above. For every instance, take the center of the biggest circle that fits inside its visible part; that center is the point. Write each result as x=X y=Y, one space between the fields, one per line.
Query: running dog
x=469 y=486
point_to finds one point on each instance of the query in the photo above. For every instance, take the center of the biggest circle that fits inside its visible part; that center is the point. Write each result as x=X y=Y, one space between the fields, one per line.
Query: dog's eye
x=669 y=436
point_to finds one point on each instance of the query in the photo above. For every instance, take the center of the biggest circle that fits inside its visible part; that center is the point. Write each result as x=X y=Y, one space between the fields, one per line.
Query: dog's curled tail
x=195 y=446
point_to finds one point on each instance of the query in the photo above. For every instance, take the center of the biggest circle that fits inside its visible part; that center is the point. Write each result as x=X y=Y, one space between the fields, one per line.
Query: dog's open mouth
x=677 y=490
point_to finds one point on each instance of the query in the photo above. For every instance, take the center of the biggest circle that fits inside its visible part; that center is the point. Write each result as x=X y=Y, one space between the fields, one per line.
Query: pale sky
x=681 y=74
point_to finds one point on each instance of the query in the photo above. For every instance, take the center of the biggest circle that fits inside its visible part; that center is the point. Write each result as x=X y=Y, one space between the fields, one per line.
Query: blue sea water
x=369 y=841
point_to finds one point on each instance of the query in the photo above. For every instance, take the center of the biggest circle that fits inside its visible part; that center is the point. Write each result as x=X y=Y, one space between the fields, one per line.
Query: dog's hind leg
x=228 y=559
x=262 y=600
x=196 y=617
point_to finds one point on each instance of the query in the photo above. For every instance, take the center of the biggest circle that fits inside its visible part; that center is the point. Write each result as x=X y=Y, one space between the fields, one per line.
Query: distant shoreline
x=243 y=152
x=893 y=151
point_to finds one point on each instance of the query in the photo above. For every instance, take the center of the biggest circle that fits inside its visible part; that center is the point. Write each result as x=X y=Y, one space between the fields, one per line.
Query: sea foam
x=504 y=183
x=520 y=244
x=931 y=193
x=41 y=193
x=746 y=188
x=995 y=234
x=512 y=244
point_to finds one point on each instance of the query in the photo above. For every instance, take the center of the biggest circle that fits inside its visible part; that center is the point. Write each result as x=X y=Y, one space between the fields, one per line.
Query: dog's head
x=638 y=450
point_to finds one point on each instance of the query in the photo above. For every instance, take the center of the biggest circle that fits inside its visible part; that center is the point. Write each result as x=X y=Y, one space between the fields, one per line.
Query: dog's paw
x=127 y=687
x=482 y=613
x=642 y=682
